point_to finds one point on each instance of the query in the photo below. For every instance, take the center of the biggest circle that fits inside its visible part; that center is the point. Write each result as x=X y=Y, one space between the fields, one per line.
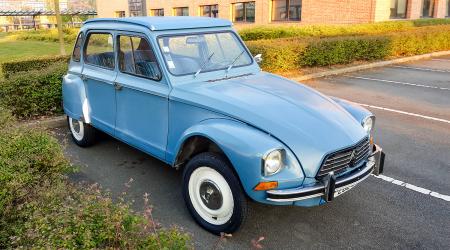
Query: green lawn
x=13 y=50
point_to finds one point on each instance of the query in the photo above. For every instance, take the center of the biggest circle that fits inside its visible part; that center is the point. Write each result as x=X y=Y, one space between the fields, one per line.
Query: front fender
x=245 y=146
x=75 y=102
x=358 y=112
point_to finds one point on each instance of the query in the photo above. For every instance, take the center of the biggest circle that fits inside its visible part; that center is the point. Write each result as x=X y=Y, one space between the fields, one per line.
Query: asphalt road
x=412 y=105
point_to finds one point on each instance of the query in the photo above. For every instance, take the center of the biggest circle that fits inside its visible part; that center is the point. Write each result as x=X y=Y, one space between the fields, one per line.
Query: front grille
x=342 y=159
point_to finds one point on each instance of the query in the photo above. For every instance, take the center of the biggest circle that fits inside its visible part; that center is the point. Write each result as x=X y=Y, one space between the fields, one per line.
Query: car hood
x=308 y=122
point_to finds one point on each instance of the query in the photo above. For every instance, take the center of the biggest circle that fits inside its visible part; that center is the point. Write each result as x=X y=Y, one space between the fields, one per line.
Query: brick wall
x=338 y=11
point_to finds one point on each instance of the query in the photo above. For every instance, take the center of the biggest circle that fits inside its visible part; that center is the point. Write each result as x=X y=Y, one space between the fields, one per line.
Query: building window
x=209 y=10
x=427 y=8
x=181 y=11
x=137 y=7
x=286 y=10
x=244 y=12
x=119 y=14
x=448 y=8
x=157 y=12
x=398 y=9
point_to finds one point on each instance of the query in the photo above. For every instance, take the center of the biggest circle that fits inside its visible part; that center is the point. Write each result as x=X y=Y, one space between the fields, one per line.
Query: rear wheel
x=213 y=194
x=83 y=134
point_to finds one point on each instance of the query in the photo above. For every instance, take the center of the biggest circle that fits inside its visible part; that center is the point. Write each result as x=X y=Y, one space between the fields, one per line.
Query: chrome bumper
x=331 y=186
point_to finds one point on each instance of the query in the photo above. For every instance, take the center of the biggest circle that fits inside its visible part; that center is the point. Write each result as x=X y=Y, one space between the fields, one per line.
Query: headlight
x=272 y=162
x=368 y=124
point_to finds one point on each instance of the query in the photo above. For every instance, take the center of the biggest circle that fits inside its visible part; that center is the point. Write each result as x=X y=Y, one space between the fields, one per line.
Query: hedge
x=46 y=35
x=41 y=209
x=34 y=93
x=292 y=53
x=285 y=31
x=20 y=66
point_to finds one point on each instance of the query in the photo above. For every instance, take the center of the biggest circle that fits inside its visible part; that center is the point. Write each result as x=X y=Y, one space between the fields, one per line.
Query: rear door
x=141 y=96
x=99 y=73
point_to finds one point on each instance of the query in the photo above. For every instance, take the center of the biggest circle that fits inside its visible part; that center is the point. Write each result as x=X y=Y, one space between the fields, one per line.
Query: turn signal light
x=266 y=185
x=371 y=140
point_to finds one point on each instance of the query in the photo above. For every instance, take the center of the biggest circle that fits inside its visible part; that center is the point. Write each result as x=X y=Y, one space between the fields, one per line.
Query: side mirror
x=258 y=58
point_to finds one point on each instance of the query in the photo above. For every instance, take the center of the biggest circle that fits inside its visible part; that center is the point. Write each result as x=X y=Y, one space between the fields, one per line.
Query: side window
x=76 y=55
x=100 y=50
x=136 y=57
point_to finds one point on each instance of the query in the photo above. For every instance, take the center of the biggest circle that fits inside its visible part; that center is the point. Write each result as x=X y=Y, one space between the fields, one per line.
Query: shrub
x=46 y=35
x=281 y=55
x=40 y=209
x=20 y=66
x=292 y=53
x=35 y=93
x=345 y=50
x=274 y=32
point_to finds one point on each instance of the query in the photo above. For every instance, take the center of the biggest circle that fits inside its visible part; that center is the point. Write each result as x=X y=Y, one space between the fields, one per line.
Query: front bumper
x=331 y=186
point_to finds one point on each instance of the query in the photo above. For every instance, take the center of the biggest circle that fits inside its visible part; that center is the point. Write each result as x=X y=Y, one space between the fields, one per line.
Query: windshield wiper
x=234 y=61
x=202 y=67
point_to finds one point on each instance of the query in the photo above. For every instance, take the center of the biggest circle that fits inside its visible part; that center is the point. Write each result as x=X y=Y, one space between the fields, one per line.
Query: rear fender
x=75 y=103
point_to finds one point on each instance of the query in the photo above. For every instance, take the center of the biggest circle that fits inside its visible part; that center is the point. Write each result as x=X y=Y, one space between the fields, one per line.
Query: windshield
x=195 y=53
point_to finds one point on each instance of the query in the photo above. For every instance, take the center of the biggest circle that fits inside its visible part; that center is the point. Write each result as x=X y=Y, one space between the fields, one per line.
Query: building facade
x=261 y=12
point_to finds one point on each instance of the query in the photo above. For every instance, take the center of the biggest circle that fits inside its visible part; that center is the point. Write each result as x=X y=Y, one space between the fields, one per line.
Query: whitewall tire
x=213 y=194
x=83 y=134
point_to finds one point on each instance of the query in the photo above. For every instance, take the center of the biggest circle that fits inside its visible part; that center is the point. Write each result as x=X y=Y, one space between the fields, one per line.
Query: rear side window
x=100 y=50
x=76 y=55
x=136 y=57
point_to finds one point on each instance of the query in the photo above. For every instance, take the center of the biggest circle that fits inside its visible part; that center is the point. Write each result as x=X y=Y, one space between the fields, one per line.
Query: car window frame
x=86 y=43
x=252 y=61
x=82 y=36
x=142 y=36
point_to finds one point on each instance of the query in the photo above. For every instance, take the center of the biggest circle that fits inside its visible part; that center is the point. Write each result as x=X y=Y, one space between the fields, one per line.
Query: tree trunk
x=60 y=28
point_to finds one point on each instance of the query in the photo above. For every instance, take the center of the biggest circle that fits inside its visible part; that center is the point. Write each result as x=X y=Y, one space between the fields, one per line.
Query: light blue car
x=187 y=91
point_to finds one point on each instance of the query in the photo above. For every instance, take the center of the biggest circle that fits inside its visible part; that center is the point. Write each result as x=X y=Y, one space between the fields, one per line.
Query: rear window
x=100 y=50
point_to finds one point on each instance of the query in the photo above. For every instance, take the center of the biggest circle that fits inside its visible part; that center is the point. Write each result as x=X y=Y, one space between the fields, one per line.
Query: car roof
x=167 y=23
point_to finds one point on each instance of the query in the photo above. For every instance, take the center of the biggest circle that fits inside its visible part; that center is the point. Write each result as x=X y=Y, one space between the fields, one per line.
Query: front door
x=99 y=75
x=141 y=96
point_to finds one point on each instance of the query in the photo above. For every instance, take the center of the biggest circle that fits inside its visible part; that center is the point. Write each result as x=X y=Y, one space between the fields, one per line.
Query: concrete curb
x=54 y=122
x=369 y=66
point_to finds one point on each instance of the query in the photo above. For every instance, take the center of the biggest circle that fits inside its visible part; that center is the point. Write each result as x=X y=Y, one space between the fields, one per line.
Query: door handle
x=117 y=86
x=83 y=77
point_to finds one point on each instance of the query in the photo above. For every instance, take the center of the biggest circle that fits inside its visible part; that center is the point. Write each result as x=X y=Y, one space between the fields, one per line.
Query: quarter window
x=286 y=10
x=181 y=11
x=244 y=12
x=209 y=10
x=157 y=12
x=76 y=55
x=136 y=57
x=100 y=50
x=428 y=8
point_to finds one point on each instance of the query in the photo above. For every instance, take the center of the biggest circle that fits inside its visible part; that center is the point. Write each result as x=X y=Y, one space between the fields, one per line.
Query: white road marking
x=404 y=113
x=413 y=187
x=441 y=60
x=397 y=82
x=422 y=69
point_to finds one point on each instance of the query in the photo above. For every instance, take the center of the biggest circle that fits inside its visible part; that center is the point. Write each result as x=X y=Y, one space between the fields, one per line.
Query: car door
x=141 y=96
x=99 y=73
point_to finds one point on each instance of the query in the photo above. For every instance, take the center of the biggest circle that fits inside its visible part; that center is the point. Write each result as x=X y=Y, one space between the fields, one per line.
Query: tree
x=62 y=51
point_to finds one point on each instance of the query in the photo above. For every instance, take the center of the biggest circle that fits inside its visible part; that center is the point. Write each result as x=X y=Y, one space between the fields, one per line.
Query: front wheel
x=83 y=134
x=213 y=194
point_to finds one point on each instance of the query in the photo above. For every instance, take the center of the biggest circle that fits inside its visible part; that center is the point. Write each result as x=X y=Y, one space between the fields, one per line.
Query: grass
x=15 y=49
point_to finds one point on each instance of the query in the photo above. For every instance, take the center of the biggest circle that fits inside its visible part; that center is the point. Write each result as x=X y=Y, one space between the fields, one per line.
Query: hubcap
x=76 y=128
x=211 y=195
